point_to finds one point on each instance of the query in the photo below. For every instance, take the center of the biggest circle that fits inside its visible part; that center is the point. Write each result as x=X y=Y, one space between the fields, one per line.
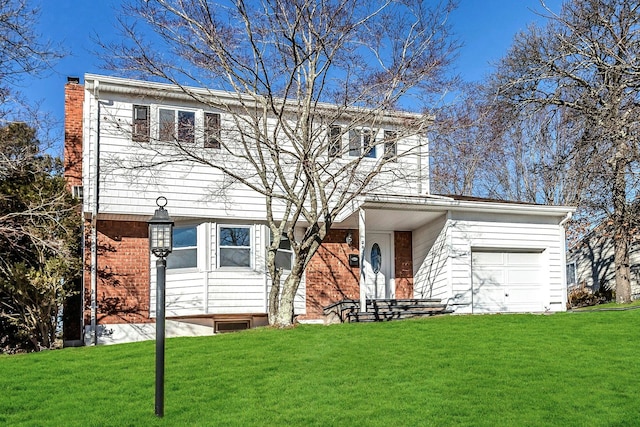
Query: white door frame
x=387 y=268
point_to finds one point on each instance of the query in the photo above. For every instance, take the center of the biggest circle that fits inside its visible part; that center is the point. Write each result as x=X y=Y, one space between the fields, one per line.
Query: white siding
x=300 y=300
x=521 y=233
x=193 y=191
x=237 y=290
x=212 y=290
x=430 y=260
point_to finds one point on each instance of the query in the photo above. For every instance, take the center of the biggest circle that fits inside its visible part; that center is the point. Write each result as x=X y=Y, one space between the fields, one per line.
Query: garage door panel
x=506 y=282
x=486 y=276
x=522 y=276
x=522 y=258
x=489 y=301
x=487 y=258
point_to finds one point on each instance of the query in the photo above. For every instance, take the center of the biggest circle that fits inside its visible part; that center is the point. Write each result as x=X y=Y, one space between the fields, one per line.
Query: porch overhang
x=385 y=212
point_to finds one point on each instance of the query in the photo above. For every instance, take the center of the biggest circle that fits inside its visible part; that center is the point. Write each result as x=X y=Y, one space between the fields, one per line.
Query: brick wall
x=403 y=264
x=74 y=98
x=328 y=275
x=123 y=273
x=330 y=279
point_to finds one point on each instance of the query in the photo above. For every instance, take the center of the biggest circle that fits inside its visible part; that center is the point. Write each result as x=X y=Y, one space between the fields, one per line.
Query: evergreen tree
x=39 y=237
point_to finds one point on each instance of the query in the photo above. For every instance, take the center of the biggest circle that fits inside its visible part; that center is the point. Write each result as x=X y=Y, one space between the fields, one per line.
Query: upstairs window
x=211 y=130
x=335 y=142
x=185 y=248
x=390 y=146
x=361 y=143
x=140 y=129
x=234 y=246
x=176 y=125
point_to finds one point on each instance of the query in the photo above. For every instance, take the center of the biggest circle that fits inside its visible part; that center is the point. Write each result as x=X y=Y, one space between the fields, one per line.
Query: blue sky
x=485 y=27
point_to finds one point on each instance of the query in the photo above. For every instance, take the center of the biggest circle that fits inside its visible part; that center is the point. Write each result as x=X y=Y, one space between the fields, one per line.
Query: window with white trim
x=335 y=142
x=361 y=143
x=284 y=254
x=212 y=130
x=234 y=246
x=140 y=128
x=571 y=274
x=390 y=146
x=176 y=125
x=185 y=248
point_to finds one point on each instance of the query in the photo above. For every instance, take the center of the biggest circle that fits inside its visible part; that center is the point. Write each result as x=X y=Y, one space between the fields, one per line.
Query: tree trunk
x=274 y=297
x=283 y=317
x=621 y=261
x=621 y=229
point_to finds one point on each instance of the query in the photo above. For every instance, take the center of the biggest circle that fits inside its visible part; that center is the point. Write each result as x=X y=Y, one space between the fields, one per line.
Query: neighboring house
x=590 y=262
x=478 y=256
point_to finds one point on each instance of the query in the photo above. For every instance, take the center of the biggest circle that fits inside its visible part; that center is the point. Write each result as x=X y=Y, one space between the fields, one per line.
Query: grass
x=611 y=305
x=563 y=369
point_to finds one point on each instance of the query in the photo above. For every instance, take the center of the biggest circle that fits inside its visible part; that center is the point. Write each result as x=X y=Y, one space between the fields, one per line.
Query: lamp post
x=160 y=244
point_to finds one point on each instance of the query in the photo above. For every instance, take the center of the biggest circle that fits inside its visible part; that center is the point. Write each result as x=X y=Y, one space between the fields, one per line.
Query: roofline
x=121 y=85
x=434 y=202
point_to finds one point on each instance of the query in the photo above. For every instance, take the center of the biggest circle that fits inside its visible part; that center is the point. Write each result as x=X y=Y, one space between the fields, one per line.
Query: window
x=284 y=255
x=335 y=142
x=571 y=273
x=234 y=246
x=77 y=191
x=181 y=130
x=185 y=248
x=361 y=143
x=390 y=146
x=140 y=130
x=211 y=130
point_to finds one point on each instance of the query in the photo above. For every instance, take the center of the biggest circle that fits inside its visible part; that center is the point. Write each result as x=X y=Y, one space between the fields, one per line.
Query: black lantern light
x=161 y=230
x=160 y=244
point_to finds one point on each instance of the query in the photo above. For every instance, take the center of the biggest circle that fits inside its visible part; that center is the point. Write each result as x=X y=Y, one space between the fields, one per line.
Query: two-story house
x=395 y=241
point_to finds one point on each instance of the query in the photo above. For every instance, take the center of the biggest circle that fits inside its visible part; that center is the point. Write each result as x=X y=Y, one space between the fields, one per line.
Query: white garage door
x=508 y=282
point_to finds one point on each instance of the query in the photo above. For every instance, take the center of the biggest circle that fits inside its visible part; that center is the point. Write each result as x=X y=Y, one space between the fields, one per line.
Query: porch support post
x=362 y=236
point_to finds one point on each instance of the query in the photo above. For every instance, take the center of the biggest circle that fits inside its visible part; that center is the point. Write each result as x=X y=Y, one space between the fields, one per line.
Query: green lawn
x=565 y=369
x=611 y=306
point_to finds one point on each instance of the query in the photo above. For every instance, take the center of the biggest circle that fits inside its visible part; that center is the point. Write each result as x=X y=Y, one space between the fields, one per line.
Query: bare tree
x=307 y=76
x=462 y=145
x=22 y=51
x=584 y=62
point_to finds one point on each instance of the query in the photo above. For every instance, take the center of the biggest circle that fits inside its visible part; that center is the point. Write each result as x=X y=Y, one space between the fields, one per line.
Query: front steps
x=380 y=310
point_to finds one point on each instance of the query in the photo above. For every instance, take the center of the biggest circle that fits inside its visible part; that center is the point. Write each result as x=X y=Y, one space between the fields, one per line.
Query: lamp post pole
x=161 y=244
x=161 y=274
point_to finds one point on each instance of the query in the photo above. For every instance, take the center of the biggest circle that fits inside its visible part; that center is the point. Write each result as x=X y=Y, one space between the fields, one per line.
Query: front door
x=378 y=265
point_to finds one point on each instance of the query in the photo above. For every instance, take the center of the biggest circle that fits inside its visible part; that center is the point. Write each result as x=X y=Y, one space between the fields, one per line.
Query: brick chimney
x=73 y=101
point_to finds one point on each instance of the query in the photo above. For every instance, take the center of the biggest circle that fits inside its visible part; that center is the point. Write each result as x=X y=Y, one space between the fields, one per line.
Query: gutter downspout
x=563 y=256
x=94 y=220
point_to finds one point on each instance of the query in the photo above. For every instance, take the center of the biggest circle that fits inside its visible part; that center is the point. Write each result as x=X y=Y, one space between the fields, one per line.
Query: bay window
x=185 y=248
x=234 y=246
